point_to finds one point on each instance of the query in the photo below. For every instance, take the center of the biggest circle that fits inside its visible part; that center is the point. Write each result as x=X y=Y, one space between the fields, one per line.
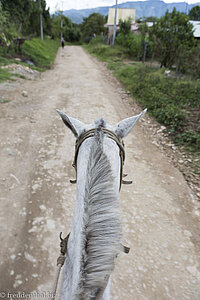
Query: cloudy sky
x=79 y=4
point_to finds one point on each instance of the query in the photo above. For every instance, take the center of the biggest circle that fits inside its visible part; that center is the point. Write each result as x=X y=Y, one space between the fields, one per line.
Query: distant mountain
x=150 y=8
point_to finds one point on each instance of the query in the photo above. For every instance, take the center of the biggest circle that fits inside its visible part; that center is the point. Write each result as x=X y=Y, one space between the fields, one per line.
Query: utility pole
x=186 y=7
x=115 y=25
x=41 y=24
x=61 y=23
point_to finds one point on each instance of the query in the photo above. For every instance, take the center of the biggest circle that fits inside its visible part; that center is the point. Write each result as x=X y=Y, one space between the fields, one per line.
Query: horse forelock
x=100 y=123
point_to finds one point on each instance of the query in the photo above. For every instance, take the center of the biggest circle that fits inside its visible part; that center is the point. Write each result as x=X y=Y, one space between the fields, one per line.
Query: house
x=135 y=26
x=122 y=14
x=196 y=25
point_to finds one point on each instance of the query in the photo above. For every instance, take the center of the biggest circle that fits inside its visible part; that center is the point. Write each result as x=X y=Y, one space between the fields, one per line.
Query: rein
x=90 y=133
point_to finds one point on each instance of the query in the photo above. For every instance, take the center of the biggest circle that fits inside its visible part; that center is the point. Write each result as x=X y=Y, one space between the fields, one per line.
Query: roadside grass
x=42 y=53
x=4 y=100
x=5 y=75
x=172 y=100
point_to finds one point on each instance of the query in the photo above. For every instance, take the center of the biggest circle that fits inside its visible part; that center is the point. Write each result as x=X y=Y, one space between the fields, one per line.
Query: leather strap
x=111 y=135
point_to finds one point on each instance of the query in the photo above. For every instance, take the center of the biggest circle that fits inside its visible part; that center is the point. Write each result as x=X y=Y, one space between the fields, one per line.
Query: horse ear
x=125 y=126
x=74 y=125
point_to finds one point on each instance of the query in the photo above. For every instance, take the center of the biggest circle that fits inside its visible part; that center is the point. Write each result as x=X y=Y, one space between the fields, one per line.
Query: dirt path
x=159 y=213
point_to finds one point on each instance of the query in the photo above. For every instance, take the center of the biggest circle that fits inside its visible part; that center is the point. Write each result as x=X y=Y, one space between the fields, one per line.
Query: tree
x=3 y=19
x=125 y=26
x=172 y=35
x=3 y=25
x=33 y=26
x=194 y=13
x=19 y=12
x=94 y=24
x=71 y=32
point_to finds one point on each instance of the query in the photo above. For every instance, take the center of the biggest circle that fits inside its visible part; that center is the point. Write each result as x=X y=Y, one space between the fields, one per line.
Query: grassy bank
x=41 y=53
x=172 y=100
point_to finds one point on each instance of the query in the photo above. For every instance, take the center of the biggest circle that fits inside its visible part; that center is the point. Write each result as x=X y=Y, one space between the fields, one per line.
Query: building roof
x=122 y=14
x=196 y=25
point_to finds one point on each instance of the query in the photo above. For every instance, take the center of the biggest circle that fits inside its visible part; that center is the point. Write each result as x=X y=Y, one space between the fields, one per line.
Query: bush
x=173 y=102
x=134 y=43
x=103 y=52
x=96 y=41
x=172 y=36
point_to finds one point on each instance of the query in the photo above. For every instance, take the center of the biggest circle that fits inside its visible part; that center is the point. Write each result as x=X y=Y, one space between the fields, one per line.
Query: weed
x=4 y=100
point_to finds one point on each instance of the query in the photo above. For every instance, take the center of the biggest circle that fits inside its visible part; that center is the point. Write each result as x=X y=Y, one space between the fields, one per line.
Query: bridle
x=79 y=141
x=90 y=133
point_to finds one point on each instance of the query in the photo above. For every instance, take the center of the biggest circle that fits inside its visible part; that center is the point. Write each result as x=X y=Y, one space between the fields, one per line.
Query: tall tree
x=3 y=25
x=71 y=31
x=34 y=19
x=194 y=13
x=171 y=36
x=19 y=11
x=125 y=26
x=94 y=24
x=3 y=19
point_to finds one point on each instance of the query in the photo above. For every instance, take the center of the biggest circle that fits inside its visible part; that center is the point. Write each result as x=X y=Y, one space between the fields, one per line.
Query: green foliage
x=125 y=26
x=3 y=19
x=94 y=24
x=190 y=62
x=42 y=53
x=194 y=13
x=4 y=101
x=135 y=45
x=98 y=41
x=170 y=41
x=143 y=29
x=173 y=102
x=19 y=12
x=134 y=42
x=169 y=100
x=105 y=53
x=33 y=26
x=23 y=18
x=6 y=30
x=71 y=31
x=172 y=35
x=190 y=139
x=4 y=75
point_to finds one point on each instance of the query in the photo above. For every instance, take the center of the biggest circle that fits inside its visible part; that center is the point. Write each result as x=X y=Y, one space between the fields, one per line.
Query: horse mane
x=101 y=234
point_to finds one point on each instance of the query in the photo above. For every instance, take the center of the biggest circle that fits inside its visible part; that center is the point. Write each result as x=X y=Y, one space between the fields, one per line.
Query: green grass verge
x=4 y=100
x=174 y=102
x=42 y=53
x=5 y=75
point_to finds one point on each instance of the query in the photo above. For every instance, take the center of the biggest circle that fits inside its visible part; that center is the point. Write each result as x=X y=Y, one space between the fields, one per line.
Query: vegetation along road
x=160 y=215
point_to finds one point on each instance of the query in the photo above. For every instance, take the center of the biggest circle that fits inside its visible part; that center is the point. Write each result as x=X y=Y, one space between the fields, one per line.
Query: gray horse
x=95 y=238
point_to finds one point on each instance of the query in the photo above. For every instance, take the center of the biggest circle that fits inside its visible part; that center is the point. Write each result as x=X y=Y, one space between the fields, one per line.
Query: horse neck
x=96 y=230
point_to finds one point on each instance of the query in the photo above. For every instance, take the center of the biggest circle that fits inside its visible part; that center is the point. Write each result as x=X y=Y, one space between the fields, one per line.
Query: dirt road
x=160 y=216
